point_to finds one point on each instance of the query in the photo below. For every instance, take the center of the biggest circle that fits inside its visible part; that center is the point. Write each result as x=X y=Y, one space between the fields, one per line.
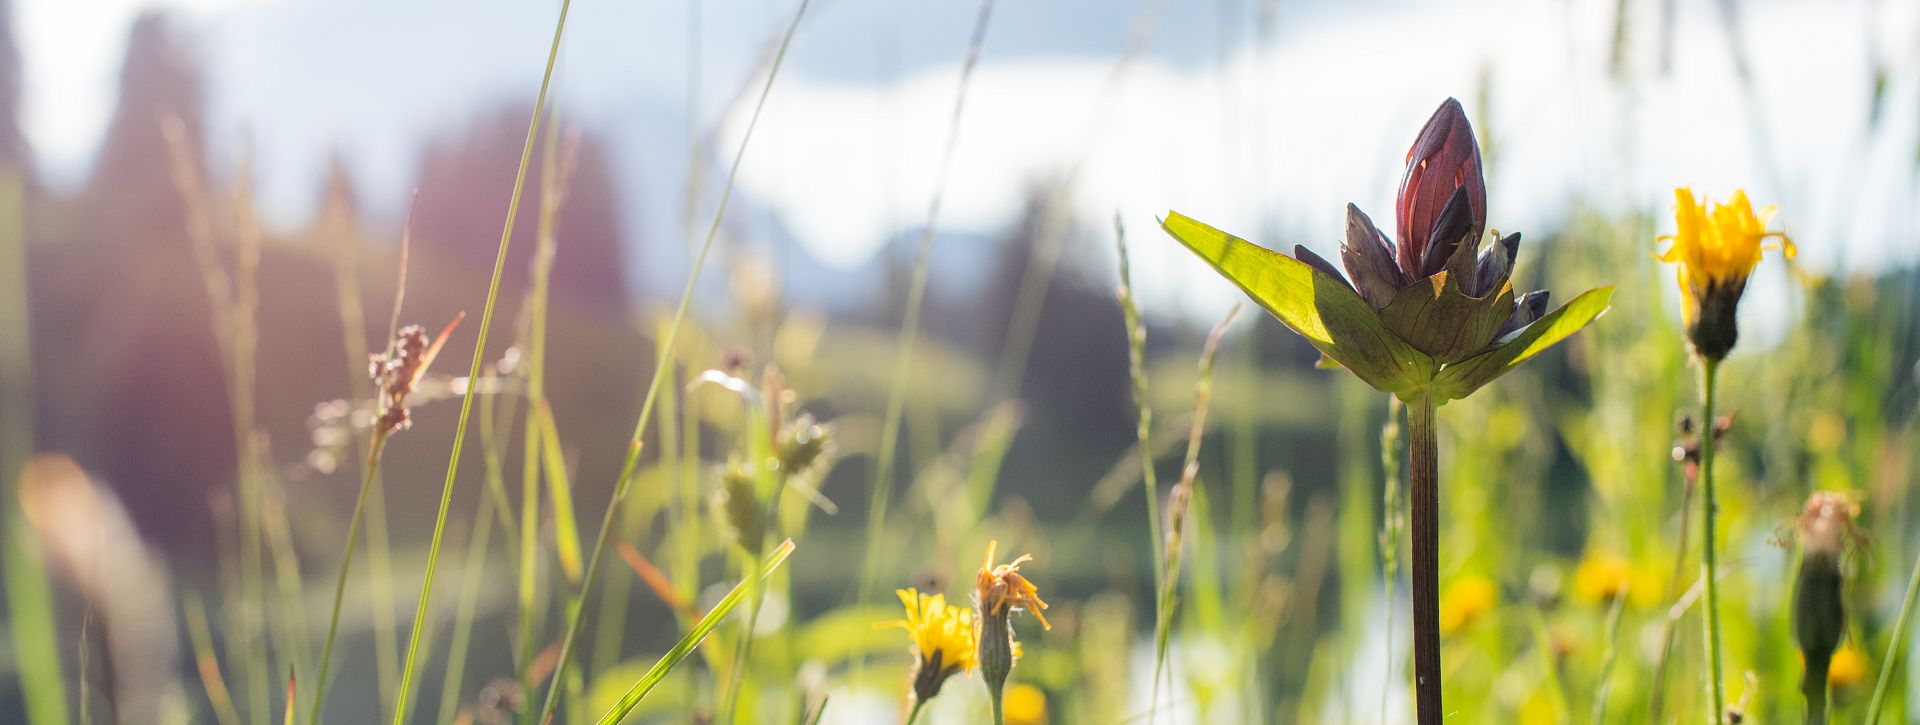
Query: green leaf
x=700 y=630
x=1437 y=317
x=1320 y=308
x=1458 y=381
x=566 y=531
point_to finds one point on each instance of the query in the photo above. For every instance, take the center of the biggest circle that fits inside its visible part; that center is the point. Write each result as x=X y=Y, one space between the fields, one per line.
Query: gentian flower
x=1431 y=314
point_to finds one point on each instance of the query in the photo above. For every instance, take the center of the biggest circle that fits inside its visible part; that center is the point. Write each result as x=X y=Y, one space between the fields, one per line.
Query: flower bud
x=1444 y=157
x=1819 y=614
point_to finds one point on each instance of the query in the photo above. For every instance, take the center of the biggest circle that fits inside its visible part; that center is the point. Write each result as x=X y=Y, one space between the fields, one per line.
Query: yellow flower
x=1602 y=578
x=1848 y=668
x=943 y=639
x=1716 y=248
x=1025 y=705
x=1465 y=600
x=1000 y=588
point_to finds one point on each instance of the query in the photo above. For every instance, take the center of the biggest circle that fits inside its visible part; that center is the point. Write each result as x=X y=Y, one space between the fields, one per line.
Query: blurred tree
x=466 y=180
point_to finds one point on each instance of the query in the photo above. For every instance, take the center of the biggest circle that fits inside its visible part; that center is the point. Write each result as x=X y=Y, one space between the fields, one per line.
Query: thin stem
x=1423 y=474
x=1814 y=685
x=473 y=374
x=632 y=462
x=999 y=718
x=1894 y=645
x=1709 y=551
x=914 y=714
x=910 y=326
x=378 y=443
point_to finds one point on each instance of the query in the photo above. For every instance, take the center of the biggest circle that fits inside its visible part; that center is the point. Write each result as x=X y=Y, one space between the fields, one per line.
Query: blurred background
x=299 y=136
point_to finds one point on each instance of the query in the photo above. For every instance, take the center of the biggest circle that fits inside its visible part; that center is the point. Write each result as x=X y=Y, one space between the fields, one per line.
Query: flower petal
x=1368 y=257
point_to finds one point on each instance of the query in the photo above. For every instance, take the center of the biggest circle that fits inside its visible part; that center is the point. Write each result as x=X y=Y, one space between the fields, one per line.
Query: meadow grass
x=1560 y=498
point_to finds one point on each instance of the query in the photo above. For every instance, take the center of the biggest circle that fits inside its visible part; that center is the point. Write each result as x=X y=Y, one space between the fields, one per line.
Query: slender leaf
x=1458 y=381
x=566 y=530
x=1326 y=311
x=700 y=630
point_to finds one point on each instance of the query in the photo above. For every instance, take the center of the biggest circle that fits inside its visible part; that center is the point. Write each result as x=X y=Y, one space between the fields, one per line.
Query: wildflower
x=1716 y=249
x=1026 y=705
x=943 y=640
x=1430 y=314
x=1825 y=530
x=1600 y=578
x=999 y=591
x=1848 y=668
x=1466 y=599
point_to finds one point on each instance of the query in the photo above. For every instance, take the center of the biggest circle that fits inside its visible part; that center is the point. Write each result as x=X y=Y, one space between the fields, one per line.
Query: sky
x=1261 y=118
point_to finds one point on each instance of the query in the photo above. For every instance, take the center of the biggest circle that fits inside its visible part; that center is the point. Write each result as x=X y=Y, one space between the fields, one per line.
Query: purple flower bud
x=1444 y=157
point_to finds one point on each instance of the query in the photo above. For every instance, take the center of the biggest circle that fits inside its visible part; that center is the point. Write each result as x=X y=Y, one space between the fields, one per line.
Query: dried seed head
x=396 y=373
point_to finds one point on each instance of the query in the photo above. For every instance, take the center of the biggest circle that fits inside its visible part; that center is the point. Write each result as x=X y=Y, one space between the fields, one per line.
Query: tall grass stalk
x=539 y=422
x=206 y=662
x=1143 y=432
x=910 y=324
x=1392 y=525
x=29 y=592
x=353 y=328
x=1048 y=237
x=1178 y=500
x=1709 y=550
x=1895 y=646
x=370 y=473
x=471 y=574
x=231 y=299
x=473 y=374
x=627 y=468
x=370 y=468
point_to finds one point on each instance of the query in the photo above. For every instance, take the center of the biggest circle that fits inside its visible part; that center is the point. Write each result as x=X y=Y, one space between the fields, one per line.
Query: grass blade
x=566 y=531
x=473 y=373
x=646 y=683
x=627 y=468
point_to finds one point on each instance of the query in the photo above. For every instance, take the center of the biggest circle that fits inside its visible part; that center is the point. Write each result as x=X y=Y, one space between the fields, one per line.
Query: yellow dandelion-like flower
x=1465 y=600
x=1716 y=247
x=1848 y=668
x=943 y=639
x=1001 y=588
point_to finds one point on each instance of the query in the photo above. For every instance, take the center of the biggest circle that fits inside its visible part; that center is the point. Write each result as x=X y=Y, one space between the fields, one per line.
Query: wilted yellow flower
x=1465 y=600
x=1000 y=588
x=1025 y=705
x=943 y=639
x=1848 y=668
x=1717 y=248
x=999 y=591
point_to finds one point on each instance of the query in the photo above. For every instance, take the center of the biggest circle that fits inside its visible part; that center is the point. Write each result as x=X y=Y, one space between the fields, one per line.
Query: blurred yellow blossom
x=1602 y=577
x=1025 y=705
x=1465 y=600
x=1848 y=668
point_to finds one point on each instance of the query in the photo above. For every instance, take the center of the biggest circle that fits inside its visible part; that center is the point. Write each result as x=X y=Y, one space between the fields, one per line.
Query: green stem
x=374 y=448
x=1894 y=646
x=914 y=714
x=624 y=481
x=999 y=718
x=1423 y=475
x=910 y=326
x=1709 y=551
x=1814 y=686
x=473 y=373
